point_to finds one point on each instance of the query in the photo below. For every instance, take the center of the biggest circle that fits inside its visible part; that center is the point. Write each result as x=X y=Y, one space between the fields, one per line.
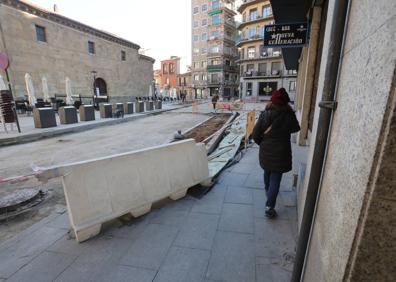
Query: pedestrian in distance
x=215 y=98
x=272 y=133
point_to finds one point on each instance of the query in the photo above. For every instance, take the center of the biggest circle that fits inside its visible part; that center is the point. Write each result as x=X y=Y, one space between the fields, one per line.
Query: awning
x=290 y=11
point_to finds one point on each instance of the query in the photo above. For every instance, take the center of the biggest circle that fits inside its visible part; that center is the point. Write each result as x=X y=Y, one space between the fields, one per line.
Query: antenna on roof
x=56 y=9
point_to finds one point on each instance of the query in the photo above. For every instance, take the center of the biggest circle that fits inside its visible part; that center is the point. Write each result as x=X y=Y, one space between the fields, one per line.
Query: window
x=204 y=22
x=214 y=78
x=204 y=36
x=123 y=56
x=196 y=10
x=196 y=65
x=204 y=50
x=267 y=11
x=40 y=33
x=276 y=52
x=253 y=14
x=196 y=77
x=276 y=68
x=171 y=68
x=216 y=20
x=251 y=52
x=204 y=7
x=215 y=33
x=263 y=51
x=195 y=24
x=226 y=76
x=292 y=86
x=204 y=64
x=262 y=30
x=204 y=77
x=91 y=47
x=215 y=4
x=195 y=37
x=165 y=69
x=215 y=49
x=250 y=68
x=249 y=89
x=262 y=68
x=227 y=63
x=252 y=32
x=196 y=50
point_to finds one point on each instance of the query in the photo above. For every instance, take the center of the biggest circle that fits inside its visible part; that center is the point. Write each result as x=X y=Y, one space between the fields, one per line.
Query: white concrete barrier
x=103 y=189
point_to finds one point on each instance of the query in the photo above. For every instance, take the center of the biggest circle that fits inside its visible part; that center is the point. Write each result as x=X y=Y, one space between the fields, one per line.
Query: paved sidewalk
x=30 y=133
x=224 y=236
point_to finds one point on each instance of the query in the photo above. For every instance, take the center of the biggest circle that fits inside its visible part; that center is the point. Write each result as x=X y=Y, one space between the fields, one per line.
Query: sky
x=161 y=27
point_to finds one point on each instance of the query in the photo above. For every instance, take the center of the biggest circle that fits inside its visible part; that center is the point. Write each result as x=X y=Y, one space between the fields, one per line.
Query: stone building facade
x=346 y=104
x=184 y=85
x=48 y=45
x=261 y=69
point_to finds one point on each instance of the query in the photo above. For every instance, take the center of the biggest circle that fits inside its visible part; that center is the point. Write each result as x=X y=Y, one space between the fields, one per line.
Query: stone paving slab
x=198 y=231
x=183 y=264
x=223 y=236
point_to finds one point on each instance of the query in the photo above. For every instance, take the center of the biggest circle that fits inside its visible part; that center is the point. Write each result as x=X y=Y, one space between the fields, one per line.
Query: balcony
x=221 y=67
x=249 y=39
x=246 y=3
x=253 y=20
x=276 y=54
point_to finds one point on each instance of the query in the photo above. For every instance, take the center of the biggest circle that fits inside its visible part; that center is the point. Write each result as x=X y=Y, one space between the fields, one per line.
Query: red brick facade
x=169 y=71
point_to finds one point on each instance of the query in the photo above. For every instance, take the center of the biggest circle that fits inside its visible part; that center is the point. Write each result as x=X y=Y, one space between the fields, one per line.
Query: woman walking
x=272 y=133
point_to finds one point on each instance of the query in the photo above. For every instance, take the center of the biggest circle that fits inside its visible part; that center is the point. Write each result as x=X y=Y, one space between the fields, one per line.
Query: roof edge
x=30 y=8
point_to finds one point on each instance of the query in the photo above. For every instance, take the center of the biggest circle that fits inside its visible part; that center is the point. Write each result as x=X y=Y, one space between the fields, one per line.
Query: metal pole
x=13 y=106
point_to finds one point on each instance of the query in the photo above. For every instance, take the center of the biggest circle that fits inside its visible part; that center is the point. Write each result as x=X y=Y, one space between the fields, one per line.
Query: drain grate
x=18 y=201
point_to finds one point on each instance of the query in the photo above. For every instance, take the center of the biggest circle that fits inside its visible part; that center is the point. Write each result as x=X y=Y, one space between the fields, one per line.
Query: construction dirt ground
x=19 y=160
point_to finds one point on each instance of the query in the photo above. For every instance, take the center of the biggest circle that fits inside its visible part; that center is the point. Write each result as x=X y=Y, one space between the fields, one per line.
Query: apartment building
x=261 y=69
x=213 y=48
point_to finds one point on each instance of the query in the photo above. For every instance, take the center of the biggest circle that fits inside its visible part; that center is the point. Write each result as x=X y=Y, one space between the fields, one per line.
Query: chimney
x=56 y=9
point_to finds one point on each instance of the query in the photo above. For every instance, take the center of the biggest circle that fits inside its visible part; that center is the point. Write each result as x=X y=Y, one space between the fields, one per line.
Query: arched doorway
x=100 y=87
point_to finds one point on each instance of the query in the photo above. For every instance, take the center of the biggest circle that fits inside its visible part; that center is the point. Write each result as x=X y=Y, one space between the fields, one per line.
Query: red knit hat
x=280 y=97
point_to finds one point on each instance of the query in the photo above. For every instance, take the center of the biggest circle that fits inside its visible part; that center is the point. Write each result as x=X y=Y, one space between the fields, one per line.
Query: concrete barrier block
x=149 y=105
x=44 y=117
x=118 y=106
x=139 y=107
x=87 y=112
x=68 y=115
x=106 y=111
x=128 y=108
x=103 y=189
x=158 y=105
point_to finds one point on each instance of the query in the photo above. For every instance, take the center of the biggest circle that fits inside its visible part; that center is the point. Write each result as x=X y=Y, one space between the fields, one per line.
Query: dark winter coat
x=275 y=148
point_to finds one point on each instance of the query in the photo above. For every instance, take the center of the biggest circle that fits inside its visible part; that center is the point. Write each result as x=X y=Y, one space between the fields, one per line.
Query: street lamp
x=94 y=86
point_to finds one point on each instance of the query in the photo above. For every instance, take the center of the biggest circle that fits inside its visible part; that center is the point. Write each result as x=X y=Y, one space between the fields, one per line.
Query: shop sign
x=286 y=35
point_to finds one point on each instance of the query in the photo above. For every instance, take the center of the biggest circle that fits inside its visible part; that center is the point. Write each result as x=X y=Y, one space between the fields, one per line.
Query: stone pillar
x=68 y=115
x=87 y=112
x=44 y=117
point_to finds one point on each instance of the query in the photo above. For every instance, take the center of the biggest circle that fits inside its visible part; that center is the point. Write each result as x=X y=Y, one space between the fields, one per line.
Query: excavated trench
x=207 y=128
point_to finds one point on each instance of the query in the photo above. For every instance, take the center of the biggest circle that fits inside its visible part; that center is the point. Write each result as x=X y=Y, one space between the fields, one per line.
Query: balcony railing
x=262 y=56
x=249 y=38
x=249 y=19
x=274 y=73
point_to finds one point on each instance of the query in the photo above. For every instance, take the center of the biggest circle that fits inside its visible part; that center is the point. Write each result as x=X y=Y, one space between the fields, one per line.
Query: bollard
x=105 y=111
x=44 y=117
x=128 y=108
x=149 y=105
x=139 y=107
x=87 y=112
x=68 y=115
x=158 y=105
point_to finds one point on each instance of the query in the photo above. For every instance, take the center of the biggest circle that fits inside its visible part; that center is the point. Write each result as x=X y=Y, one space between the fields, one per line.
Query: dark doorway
x=100 y=87
x=266 y=88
